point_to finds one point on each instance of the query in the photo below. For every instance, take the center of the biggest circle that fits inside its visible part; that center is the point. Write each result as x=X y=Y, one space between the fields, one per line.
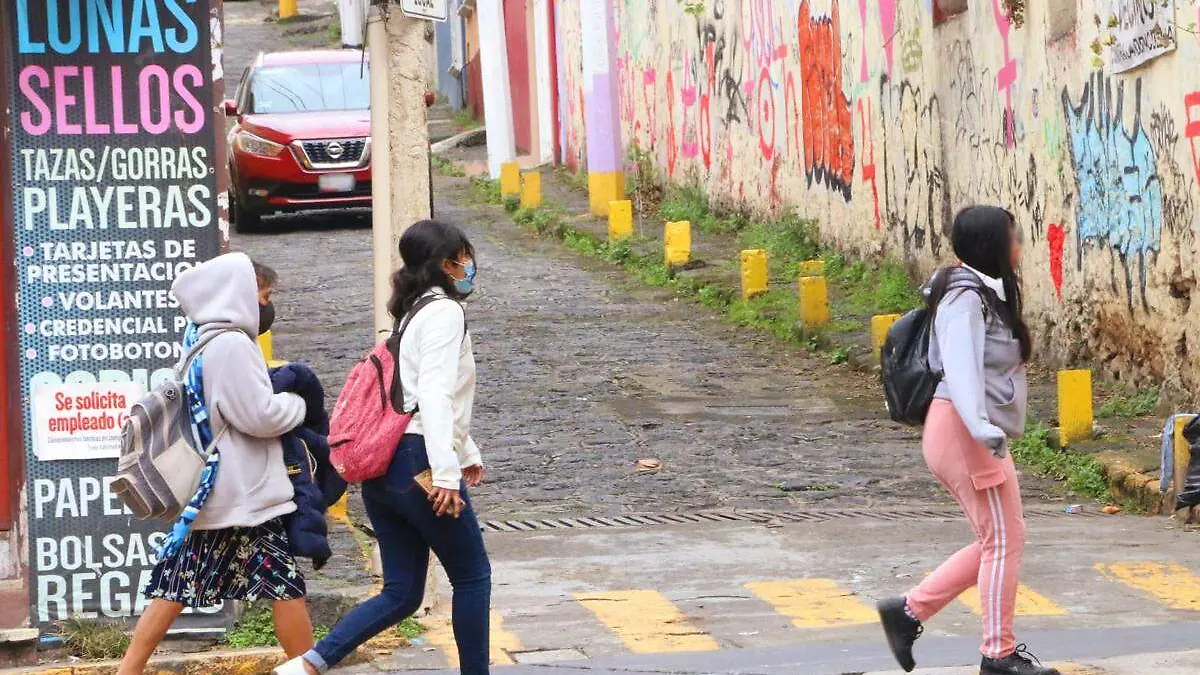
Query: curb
x=1131 y=485
x=469 y=138
x=239 y=662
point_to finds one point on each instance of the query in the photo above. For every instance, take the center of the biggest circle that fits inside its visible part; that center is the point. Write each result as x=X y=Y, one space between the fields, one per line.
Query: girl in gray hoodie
x=981 y=344
x=237 y=548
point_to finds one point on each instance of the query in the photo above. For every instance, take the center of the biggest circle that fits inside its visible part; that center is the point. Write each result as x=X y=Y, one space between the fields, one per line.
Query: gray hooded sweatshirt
x=984 y=376
x=252 y=484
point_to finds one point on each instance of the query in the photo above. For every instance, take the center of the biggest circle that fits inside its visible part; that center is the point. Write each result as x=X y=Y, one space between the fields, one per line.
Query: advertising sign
x=1144 y=31
x=433 y=10
x=114 y=194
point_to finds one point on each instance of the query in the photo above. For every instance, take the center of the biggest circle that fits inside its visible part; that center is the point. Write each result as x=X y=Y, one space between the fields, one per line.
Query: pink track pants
x=986 y=488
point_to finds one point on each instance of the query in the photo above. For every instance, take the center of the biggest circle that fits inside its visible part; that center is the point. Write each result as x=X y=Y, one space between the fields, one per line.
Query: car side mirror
x=230 y=107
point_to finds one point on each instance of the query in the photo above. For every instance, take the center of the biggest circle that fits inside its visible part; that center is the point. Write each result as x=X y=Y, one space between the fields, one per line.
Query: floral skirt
x=238 y=563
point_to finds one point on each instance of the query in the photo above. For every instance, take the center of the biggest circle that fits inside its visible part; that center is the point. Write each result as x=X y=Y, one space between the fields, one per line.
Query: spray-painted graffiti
x=1178 y=201
x=1056 y=237
x=1120 y=195
x=1007 y=77
x=1191 y=106
x=916 y=203
x=828 y=128
x=868 y=165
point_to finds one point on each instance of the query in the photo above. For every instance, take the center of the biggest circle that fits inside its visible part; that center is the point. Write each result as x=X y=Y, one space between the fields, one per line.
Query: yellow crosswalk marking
x=1029 y=603
x=647 y=622
x=1170 y=583
x=814 y=603
x=441 y=635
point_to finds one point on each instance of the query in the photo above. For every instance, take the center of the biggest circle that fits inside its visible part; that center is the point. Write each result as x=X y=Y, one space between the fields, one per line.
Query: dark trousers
x=407 y=529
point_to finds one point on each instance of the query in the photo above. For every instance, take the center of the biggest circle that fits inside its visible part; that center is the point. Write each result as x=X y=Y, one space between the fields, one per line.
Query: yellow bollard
x=811 y=268
x=266 y=346
x=287 y=9
x=620 y=220
x=510 y=179
x=754 y=273
x=531 y=190
x=1075 y=420
x=677 y=243
x=814 y=301
x=1182 y=452
x=880 y=324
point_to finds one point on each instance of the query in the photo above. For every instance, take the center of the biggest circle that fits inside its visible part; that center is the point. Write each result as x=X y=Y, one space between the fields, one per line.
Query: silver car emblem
x=334 y=149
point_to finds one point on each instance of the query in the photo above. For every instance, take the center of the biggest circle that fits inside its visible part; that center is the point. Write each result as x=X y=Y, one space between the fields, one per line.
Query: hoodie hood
x=221 y=293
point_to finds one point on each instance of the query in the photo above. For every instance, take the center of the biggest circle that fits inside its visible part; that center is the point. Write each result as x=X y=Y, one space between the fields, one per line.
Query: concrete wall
x=569 y=58
x=881 y=120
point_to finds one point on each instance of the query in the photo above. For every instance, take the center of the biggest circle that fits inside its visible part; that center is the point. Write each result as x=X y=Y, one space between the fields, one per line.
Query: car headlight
x=254 y=145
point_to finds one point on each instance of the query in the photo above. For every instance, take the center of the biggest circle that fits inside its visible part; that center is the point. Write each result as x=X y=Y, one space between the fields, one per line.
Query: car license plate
x=336 y=182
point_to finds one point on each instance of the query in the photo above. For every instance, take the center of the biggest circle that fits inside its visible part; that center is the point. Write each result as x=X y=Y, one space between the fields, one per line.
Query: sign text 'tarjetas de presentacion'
x=114 y=195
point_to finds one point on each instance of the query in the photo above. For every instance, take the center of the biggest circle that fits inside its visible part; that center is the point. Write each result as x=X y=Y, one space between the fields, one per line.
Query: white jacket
x=437 y=370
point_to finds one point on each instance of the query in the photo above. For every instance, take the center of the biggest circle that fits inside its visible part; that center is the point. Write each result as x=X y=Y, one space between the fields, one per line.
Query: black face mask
x=266 y=317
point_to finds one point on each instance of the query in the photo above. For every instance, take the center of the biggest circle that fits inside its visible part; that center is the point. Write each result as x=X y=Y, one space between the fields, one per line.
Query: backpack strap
x=192 y=354
x=397 y=388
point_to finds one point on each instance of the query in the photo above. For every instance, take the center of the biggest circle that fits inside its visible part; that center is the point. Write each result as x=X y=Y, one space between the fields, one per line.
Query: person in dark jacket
x=306 y=454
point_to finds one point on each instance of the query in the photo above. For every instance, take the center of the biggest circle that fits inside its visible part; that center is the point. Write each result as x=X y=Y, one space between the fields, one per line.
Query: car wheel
x=245 y=221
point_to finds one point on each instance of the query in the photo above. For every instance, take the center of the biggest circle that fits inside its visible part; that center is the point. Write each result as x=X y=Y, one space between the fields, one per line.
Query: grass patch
x=335 y=33
x=410 y=628
x=691 y=204
x=448 y=168
x=1081 y=473
x=256 y=628
x=94 y=639
x=486 y=190
x=464 y=120
x=866 y=291
x=1127 y=405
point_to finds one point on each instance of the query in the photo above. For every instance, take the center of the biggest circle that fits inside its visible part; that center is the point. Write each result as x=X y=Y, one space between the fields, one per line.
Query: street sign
x=432 y=10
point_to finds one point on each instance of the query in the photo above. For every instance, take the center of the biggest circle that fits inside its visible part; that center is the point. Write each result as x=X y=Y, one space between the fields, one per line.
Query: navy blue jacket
x=306 y=453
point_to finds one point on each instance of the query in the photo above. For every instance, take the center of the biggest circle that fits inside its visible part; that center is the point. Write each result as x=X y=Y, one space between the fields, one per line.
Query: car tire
x=245 y=221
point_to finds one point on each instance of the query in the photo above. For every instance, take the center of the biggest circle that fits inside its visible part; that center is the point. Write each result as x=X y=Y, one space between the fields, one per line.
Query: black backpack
x=908 y=381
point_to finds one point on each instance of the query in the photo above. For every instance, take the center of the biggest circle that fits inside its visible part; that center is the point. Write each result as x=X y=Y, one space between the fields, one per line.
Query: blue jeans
x=407 y=529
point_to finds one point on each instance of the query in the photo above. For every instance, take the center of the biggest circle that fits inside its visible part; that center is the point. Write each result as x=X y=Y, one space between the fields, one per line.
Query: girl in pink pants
x=981 y=345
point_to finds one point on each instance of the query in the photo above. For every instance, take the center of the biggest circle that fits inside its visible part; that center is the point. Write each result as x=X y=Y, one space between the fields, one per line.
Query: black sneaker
x=1020 y=662
x=901 y=631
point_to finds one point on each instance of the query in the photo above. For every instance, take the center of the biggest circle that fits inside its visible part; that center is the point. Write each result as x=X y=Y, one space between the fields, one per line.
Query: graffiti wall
x=569 y=57
x=881 y=120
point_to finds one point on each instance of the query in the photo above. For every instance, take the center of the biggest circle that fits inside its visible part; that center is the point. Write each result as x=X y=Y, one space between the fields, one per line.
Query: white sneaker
x=293 y=667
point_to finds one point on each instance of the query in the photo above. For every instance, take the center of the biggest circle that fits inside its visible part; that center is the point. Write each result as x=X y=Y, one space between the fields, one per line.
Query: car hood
x=290 y=127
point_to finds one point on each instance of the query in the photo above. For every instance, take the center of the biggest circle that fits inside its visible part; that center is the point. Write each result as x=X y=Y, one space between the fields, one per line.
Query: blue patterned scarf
x=193 y=382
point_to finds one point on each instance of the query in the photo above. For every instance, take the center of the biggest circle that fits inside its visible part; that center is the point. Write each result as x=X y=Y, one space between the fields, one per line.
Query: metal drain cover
x=883 y=513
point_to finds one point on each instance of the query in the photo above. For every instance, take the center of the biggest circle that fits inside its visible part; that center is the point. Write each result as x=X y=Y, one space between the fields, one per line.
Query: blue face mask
x=466 y=285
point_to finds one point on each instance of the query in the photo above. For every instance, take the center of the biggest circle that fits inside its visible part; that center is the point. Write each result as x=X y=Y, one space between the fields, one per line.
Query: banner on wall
x=1144 y=30
x=114 y=193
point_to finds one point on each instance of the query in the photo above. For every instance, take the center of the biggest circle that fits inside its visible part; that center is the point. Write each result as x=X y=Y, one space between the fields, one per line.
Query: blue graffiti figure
x=1120 y=193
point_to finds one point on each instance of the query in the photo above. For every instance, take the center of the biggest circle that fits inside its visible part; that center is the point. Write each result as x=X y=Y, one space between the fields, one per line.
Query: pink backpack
x=369 y=419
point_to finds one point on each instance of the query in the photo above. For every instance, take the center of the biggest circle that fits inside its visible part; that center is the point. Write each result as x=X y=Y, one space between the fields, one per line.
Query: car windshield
x=310 y=87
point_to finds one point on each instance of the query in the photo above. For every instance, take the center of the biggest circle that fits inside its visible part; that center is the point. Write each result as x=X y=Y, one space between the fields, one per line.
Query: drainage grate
x=893 y=513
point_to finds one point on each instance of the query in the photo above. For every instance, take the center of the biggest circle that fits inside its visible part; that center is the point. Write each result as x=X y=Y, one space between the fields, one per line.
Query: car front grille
x=336 y=152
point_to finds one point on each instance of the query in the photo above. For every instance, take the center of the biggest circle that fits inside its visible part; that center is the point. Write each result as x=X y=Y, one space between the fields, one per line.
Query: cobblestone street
x=582 y=373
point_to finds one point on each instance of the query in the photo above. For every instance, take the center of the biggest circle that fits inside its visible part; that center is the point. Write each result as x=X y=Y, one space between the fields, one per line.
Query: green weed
x=1082 y=473
x=95 y=639
x=1129 y=405
x=410 y=628
x=256 y=628
x=691 y=204
x=447 y=167
x=464 y=119
x=839 y=355
x=335 y=33
x=486 y=190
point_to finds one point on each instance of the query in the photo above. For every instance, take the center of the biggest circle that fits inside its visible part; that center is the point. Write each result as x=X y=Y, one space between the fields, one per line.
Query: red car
x=302 y=137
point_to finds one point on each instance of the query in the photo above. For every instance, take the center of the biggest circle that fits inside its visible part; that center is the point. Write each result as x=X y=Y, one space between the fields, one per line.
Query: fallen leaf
x=649 y=464
x=1111 y=509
